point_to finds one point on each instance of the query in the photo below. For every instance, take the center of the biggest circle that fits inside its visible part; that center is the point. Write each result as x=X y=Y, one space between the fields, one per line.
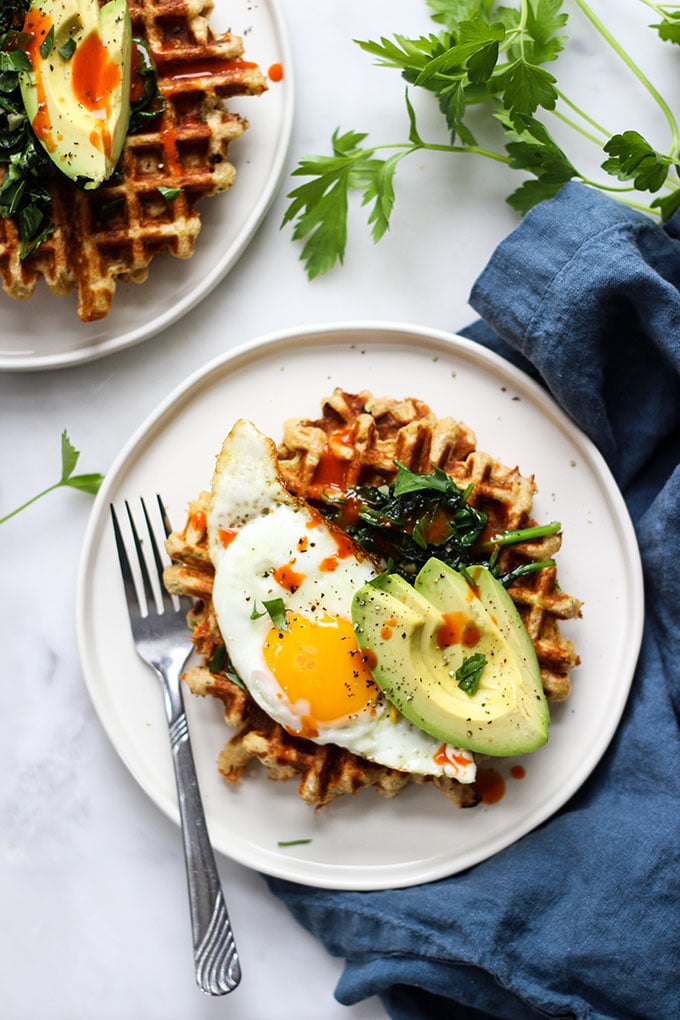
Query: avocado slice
x=77 y=93
x=416 y=639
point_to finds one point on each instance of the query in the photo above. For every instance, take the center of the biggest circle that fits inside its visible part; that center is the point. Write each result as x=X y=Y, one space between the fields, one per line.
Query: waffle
x=113 y=233
x=362 y=436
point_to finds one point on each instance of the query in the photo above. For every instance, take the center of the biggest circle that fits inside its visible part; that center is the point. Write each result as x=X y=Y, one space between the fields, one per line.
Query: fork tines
x=151 y=593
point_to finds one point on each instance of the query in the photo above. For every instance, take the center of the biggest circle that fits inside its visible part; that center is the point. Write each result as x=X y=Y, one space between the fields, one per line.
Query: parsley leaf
x=634 y=159
x=67 y=50
x=669 y=28
x=469 y=673
x=168 y=193
x=277 y=612
x=47 y=44
x=668 y=205
x=321 y=205
x=525 y=87
x=544 y=23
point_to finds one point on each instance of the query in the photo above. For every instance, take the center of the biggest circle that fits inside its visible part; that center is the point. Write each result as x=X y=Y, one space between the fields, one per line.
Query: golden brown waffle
x=358 y=438
x=112 y=233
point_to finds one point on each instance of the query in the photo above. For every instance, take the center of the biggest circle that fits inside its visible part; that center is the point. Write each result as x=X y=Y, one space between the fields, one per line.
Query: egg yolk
x=319 y=662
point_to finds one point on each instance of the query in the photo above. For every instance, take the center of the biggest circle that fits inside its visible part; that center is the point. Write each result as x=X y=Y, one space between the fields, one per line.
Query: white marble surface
x=92 y=898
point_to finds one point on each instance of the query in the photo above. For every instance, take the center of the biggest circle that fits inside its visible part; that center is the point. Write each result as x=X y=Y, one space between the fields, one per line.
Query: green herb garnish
x=276 y=608
x=486 y=61
x=69 y=458
x=277 y=612
x=469 y=673
x=150 y=103
x=293 y=842
x=67 y=50
x=168 y=193
x=47 y=44
x=24 y=194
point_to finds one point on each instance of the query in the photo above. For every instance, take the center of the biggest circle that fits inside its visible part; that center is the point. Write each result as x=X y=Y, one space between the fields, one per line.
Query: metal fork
x=162 y=640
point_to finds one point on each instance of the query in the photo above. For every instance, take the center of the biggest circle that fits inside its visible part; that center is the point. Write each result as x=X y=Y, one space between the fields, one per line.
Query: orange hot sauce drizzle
x=36 y=27
x=227 y=536
x=518 y=772
x=198 y=521
x=287 y=577
x=457 y=629
x=490 y=785
x=369 y=658
x=173 y=74
x=95 y=76
x=441 y=757
x=275 y=72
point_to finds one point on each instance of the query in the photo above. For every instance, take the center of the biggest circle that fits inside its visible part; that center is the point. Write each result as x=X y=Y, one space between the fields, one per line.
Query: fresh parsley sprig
x=69 y=458
x=492 y=56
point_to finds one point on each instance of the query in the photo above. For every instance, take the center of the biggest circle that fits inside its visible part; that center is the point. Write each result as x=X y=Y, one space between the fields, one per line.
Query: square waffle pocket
x=113 y=232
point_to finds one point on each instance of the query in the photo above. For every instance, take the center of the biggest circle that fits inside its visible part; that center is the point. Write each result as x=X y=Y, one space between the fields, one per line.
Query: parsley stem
x=642 y=78
x=584 y=116
x=649 y=210
x=582 y=131
x=28 y=502
x=409 y=148
x=660 y=9
x=475 y=150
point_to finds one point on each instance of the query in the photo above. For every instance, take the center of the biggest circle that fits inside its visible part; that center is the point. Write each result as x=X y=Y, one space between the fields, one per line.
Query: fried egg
x=284 y=581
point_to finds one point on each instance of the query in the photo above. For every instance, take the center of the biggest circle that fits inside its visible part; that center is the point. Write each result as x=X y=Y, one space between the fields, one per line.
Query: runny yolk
x=318 y=662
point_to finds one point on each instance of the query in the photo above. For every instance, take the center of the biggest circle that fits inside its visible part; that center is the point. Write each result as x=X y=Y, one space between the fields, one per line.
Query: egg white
x=265 y=528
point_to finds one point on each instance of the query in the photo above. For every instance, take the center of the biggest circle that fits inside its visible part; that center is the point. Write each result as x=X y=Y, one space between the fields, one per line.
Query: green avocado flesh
x=77 y=93
x=417 y=637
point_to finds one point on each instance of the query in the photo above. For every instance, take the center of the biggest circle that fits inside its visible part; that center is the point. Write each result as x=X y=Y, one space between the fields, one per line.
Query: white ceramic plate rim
x=223 y=264
x=338 y=874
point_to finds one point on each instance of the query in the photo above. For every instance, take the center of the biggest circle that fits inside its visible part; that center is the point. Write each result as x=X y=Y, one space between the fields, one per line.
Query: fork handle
x=216 y=960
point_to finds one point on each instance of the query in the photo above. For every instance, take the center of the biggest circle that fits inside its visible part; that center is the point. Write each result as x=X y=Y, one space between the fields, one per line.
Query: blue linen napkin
x=581 y=918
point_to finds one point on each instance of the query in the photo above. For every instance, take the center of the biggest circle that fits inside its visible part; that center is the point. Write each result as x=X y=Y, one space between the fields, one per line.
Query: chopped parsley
x=469 y=673
x=168 y=193
x=67 y=50
x=276 y=608
x=47 y=44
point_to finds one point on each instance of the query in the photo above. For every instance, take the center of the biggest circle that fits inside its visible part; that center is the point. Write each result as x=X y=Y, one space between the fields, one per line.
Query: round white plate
x=368 y=842
x=45 y=331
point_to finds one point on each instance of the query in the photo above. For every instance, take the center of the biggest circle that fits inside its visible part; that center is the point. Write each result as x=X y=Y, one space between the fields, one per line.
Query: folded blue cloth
x=581 y=918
